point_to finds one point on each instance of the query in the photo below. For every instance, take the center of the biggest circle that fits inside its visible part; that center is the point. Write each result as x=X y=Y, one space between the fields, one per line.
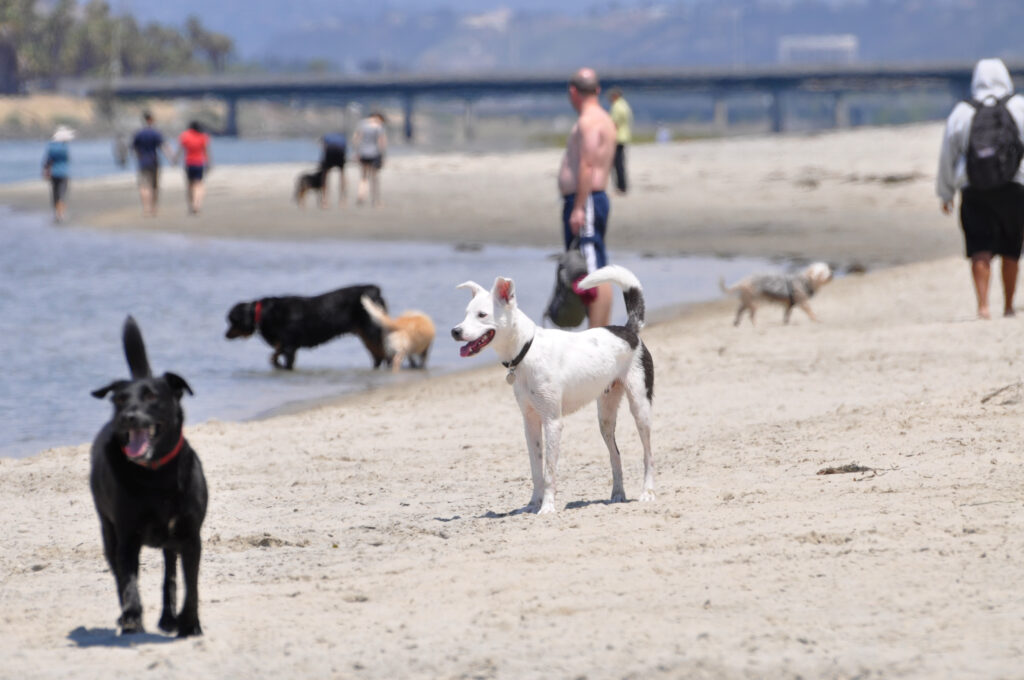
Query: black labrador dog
x=149 y=489
x=290 y=322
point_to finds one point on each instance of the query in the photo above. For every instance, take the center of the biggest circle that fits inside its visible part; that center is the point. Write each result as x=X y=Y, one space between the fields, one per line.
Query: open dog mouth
x=471 y=348
x=139 y=442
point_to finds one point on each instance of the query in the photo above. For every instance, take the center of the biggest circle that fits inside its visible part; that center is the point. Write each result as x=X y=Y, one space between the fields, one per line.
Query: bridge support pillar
x=777 y=111
x=231 y=118
x=840 y=110
x=720 y=122
x=407 y=117
x=468 y=121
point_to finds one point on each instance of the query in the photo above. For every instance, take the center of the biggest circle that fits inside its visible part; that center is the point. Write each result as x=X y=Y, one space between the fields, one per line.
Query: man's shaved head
x=585 y=81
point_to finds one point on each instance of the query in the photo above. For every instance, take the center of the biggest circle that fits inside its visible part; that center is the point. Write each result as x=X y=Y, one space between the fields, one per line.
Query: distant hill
x=530 y=34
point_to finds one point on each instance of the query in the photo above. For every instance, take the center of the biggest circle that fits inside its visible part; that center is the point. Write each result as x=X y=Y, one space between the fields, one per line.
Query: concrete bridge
x=839 y=81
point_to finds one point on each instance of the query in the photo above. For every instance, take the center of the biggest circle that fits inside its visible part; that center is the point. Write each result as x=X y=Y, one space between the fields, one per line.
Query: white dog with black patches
x=555 y=373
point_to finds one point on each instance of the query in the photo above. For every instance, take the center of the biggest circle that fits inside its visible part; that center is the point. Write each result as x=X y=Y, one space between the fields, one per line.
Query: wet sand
x=371 y=537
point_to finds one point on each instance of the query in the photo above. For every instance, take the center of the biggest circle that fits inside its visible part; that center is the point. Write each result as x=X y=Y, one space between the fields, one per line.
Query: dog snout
x=134 y=419
x=457 y=332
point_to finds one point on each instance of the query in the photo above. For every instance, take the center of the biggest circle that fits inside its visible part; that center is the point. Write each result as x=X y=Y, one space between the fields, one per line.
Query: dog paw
x=130 y=624
x=168 y=623
x=546 y=509
x=189 y=629
x=647 y=496
x=619 y=497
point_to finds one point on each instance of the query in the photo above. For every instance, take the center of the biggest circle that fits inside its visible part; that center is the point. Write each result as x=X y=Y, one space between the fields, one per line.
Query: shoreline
x=854 y=197
x=239 y=209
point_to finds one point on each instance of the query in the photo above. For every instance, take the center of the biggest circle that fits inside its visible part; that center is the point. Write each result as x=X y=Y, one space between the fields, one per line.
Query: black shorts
x=58 y=188
x=993 y=220
x=334 y=157
x=372 y=161
x=194 y=173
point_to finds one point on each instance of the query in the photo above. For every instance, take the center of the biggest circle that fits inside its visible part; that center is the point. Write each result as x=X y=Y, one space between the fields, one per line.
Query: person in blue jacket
x=55 y=169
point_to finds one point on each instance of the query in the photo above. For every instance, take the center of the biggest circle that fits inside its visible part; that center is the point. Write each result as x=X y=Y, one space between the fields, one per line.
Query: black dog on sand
x=149 y=489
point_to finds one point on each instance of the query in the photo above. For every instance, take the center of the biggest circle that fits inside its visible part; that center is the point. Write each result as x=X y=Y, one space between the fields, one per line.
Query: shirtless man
x=582 y=179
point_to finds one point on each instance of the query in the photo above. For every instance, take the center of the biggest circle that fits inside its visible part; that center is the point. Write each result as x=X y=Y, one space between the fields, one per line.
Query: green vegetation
x=43 y=42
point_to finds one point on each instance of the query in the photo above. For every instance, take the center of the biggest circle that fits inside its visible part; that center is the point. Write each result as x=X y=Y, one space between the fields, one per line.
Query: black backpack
x=994 y=148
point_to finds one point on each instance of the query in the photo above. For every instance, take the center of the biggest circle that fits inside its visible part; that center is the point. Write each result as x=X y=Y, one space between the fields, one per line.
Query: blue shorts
x=592 y=232
x=194 y=173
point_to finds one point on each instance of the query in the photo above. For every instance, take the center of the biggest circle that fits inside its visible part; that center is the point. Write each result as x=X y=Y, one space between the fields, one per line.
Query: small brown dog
x=791 y=290
x=409 y=335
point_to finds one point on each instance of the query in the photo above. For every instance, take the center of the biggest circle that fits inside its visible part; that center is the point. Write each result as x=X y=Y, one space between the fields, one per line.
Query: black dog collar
x=511 y=365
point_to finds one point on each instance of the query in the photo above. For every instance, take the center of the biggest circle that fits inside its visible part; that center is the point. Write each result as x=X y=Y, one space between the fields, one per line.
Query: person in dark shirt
x=335 y=149
x=147 y=145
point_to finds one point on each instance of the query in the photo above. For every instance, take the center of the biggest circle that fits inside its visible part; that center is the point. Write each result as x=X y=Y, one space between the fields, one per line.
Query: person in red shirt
x=195 y=145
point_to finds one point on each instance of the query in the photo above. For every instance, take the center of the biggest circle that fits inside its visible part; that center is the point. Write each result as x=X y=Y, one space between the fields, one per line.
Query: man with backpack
x=981 y=156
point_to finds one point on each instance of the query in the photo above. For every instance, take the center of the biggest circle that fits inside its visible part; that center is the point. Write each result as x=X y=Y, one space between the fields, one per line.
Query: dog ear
x=504 y=290
x=473 y=286
x=177 y=384
x=102 y=392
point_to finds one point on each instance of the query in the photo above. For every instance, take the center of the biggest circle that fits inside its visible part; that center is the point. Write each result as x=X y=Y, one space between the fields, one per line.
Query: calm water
x=64 y=294
x=23 y=160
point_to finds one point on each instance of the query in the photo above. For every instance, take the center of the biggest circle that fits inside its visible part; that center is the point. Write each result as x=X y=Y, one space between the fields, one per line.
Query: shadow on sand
x=108 y=637
x=575 y=505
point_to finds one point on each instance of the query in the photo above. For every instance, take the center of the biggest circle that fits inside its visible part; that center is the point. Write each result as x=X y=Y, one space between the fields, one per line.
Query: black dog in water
x=149 y=489
x=288 y=323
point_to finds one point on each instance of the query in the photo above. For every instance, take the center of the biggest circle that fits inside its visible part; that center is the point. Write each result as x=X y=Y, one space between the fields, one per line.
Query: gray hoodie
x=991 y=81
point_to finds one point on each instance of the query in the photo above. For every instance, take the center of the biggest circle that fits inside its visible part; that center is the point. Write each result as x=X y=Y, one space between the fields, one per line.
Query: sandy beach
x=860 y=196
x=371 y=537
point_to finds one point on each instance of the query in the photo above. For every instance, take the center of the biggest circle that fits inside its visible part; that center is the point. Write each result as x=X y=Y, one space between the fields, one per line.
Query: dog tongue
x=138 y=443
x=467 y=350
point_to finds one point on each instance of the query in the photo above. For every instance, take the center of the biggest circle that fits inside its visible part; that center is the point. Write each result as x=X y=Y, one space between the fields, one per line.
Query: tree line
x=71 y=40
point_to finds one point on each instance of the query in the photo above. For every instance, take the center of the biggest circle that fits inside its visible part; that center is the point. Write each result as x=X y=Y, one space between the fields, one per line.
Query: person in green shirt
x=622 y=116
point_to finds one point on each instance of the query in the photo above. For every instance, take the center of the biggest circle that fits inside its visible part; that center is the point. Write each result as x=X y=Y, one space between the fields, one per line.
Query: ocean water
x=65 y=293
x=22 y=160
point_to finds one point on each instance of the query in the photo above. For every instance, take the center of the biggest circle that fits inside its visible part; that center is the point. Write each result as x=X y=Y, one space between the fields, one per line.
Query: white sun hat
x=63 y=134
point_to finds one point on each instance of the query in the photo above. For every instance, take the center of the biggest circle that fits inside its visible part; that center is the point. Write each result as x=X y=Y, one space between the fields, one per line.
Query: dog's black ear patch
x=177 y=384
x=103 y=391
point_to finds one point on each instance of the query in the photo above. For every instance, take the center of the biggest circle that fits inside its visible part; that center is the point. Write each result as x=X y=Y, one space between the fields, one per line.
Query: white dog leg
x=532 y=425
x=607 y=411
x=640 y=407
x=552 y=440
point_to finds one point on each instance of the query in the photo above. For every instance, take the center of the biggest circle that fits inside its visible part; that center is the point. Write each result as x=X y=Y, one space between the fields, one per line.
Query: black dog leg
x=128 y=585
x=110 y=552
x=289 y=357
x=188 y=619
x=168 y=621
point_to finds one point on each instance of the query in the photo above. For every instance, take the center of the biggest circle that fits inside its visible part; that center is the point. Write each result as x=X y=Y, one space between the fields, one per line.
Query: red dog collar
x=169 y=457
x=257 y=311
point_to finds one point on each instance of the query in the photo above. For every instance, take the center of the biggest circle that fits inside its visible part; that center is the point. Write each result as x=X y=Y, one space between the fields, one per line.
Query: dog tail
x=632 y=291
x=721 y=284
x=135 y=350
x=377 y=313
